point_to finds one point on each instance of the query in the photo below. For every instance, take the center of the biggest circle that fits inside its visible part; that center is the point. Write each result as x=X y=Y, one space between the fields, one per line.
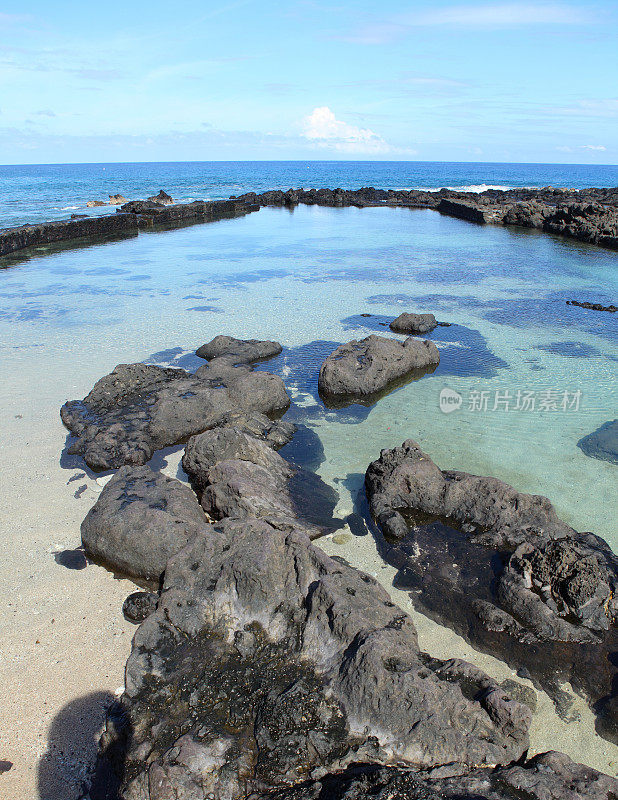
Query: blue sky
x=254 y=79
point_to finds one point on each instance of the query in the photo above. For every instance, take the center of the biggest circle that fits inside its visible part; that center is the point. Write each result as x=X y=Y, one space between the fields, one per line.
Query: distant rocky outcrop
x=117 y=199
x=162 y=198
x=360 y=370
x=500 y=568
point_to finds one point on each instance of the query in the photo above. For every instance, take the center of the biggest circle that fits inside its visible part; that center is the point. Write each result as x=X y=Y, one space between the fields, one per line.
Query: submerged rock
x=268 y=663
x=140 y=408
x=140 y=520
x=500 y=568
x=593 y=306
x=361 y=369
x=241 y=351
x=602 y=443
x=413 y=323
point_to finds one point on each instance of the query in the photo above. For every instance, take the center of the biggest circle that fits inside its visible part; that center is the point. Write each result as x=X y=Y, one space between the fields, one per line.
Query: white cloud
x=323 y=128
x=568 y=149
x=497 y=15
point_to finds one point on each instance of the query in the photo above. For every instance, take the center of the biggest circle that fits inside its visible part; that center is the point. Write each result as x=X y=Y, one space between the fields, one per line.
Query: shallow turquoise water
x=305 y=278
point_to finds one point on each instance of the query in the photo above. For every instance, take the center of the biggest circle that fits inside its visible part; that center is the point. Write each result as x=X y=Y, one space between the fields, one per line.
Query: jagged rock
x=95 y=203
x=139 y=605
x=239 y=475
x=602 y=443
x=360 y=369
x=548 y=776
x=593 y=306
x=241 y=351
x=117 y=199
x=413 y=323
x=139 y=521
x=267 y=663
x=140 y=408
x=163 y=198
x=503 y=570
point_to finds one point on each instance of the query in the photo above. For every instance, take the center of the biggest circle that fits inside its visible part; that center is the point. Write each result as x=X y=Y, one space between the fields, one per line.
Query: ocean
x=53 y=191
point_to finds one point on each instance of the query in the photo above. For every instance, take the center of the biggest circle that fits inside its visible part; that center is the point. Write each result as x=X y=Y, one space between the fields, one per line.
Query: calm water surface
x=305 y=278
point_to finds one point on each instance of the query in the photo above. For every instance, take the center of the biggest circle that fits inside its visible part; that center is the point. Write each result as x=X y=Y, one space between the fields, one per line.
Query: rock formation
x=140 y=408
x=360 y=370
x=413 y=323
x=503 y=570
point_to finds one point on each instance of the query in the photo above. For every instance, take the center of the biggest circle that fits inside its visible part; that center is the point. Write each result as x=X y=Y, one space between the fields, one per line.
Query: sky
x=304 y=79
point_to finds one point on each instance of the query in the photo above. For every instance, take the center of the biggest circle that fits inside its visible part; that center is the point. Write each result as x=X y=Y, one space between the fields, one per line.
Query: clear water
x=37 y=193
x=304 y=278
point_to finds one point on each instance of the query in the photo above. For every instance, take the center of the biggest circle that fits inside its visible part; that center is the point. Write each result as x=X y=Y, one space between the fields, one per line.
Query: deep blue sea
x=53 y=191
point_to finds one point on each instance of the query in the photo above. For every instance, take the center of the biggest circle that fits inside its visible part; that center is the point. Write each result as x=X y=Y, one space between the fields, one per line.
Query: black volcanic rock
x=602 y=443
x=413 y=323
x=140 y=408
x=500 y=568
x=548 y=776
x=361 y=369
x=140 y=520
x=592 y=306
x=268 y=663
x=239 y=475
x=162 y=198
x=240 y=351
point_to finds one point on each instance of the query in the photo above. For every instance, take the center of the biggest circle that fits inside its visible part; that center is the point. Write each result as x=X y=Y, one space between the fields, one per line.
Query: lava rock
x=548 y=776
x=163 y=198
x=140 y=408
x=268 y=663
x=239 y=475
x=413 y=323
x=360 y=370
x=141 y=519
x=593 y=306
x=241 y=351
x=500 y=568
x=139 y=605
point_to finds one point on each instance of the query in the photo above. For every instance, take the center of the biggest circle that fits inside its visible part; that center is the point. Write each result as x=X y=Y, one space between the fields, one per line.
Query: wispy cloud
x=500 y=15
x=594 y=147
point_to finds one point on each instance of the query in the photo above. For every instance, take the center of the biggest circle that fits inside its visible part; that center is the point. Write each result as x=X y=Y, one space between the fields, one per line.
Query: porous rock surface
x=140 y=408
x=141 y=519
x=503 y=570
x=548 y=776
x=239 y=475
x=413 y=323
x=240 y=351
x=360 y=369
x=267 y=663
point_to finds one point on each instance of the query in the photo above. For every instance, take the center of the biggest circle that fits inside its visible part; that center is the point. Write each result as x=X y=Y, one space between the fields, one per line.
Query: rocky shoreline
x=588 y=215
x=262 y=667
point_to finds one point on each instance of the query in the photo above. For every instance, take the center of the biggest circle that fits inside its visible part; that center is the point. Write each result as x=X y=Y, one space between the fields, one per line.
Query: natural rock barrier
x=504 y=571
x=360 y=370
x=129 y=219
